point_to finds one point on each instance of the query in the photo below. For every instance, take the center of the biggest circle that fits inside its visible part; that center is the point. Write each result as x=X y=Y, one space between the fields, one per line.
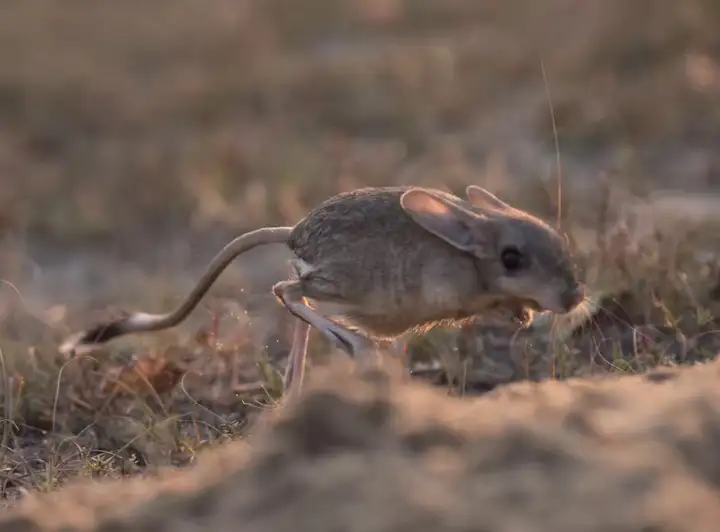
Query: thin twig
x=5 y=442
x=557 y=144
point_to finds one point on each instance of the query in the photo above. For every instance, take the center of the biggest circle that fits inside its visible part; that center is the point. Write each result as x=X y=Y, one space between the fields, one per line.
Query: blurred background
x=136 y=137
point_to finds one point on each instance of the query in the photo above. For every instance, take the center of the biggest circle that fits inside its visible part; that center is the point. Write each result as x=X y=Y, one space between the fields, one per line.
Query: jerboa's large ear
x=481 y=198
x=456 y=225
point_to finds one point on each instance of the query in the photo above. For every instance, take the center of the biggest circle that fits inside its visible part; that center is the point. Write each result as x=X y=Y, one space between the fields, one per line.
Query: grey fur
x=363 y=255
x=386 y=260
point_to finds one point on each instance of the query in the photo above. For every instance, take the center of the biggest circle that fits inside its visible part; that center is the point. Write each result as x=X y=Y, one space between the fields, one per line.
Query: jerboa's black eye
x=512 y=259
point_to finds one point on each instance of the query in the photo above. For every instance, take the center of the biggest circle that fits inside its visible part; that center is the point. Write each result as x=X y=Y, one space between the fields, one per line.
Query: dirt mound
x=378 y=454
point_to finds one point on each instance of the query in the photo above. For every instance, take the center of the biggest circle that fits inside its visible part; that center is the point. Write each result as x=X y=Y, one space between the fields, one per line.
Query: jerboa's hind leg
x=295 y=367
x=291 y=295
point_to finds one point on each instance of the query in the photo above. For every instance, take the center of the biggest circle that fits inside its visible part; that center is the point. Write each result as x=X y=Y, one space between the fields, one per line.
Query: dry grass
x=131 y=149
